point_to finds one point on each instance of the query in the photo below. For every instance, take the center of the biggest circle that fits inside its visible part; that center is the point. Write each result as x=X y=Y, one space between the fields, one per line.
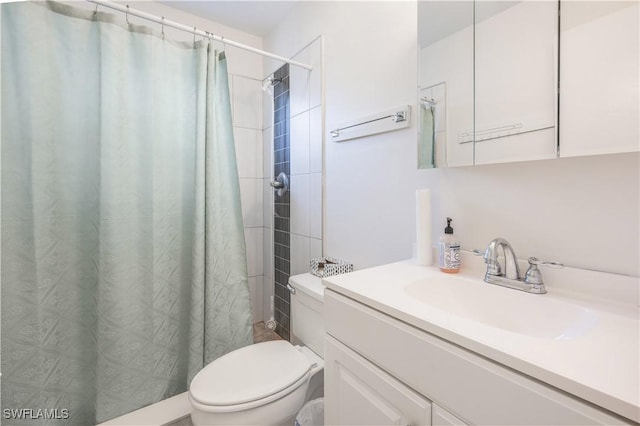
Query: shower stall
x=132 y=255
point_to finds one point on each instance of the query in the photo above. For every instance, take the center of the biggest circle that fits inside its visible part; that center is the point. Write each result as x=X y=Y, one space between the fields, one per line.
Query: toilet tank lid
x=308 y=284
x=249 y=374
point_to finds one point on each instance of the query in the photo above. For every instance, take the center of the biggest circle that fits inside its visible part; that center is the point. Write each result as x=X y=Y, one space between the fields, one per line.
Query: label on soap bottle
x=449 y=258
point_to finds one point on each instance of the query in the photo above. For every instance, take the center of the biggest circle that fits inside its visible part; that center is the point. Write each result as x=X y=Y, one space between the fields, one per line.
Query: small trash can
x=311 y=413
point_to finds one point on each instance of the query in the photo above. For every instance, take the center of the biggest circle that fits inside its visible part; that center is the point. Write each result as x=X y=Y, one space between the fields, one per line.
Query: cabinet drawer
x=359 y=393
x=476 y=389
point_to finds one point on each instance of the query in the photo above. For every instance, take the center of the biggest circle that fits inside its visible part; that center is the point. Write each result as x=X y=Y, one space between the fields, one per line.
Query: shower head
x=270 y=82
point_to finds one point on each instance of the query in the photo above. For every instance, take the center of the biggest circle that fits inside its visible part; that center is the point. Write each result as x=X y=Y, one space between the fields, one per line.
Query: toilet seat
x=250 y=377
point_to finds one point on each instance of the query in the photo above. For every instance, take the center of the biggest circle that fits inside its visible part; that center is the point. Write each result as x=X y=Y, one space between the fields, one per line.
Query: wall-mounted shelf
x=386 y=121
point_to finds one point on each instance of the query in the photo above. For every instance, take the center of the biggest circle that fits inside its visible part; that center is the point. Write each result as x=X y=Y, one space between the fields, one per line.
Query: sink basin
x=515 y=311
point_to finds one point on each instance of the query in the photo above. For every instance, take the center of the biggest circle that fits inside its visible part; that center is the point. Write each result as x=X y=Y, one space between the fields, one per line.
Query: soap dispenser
x=449 y=251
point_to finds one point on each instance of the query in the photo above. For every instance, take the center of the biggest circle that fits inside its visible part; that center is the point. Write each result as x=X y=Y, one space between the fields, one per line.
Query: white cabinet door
x=442 y=417
x=599 y=68
x=359 y=393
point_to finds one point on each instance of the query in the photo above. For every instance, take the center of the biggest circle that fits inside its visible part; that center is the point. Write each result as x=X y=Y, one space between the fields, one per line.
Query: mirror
x=445 y=85
x=487 y=82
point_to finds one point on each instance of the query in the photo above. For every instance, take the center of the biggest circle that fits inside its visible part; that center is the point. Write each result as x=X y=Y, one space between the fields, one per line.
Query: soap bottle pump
x=449 y=251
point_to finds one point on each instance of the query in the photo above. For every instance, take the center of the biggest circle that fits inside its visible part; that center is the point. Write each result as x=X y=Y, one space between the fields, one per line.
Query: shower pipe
x=193 y=30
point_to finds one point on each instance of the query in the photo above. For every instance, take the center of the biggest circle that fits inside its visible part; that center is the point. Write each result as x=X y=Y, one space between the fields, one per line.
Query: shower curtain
x=123 y=254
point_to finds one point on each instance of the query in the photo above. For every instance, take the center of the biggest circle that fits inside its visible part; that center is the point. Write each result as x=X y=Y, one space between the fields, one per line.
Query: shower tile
x=299 y=254
x=255 y=295
x=267 y=109
x=281 y=204
x=267 y=152
x=282 y=86
x=315 y=248
x=281 y=156
x=253 y=241
x=282 y=113
x=267 y=201
x=283 y=332
x=282 y=210
x=280 y=304
x=315 y=205
x=281 y=168
x=247 y=102
x=281 y=130
x=281 y=237
x=315 y=79
x=248 y=152
x=299 y=140
x=300 y=204
x=315 y=140
x=282 y=265
x=281 y=251
x=251 y=199
x=267 y=244
x=281 y=290
x=281 y=223
x=300 y=84
x=266 y=298
x=243 y=62
x=281 y=141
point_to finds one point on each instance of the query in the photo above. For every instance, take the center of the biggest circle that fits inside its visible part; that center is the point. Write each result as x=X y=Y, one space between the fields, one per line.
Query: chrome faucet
x=510 y=276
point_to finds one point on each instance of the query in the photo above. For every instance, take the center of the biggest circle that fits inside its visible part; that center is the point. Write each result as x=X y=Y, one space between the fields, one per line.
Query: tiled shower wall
x=302 y=231
x=246 y=99
x=281 y=203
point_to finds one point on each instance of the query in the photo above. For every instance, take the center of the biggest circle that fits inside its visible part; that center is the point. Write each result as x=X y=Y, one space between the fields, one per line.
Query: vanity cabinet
x=363 y=394
x=442 y=417
x=380 y=370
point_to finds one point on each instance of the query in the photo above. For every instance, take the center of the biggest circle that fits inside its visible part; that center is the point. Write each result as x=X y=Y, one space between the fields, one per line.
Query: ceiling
x=257 y=17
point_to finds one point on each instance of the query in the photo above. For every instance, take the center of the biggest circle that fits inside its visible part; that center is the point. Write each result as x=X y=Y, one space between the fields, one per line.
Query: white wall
x=582 y=211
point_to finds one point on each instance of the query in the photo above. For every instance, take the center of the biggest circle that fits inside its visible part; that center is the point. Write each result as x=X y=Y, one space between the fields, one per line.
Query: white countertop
x=600 y=364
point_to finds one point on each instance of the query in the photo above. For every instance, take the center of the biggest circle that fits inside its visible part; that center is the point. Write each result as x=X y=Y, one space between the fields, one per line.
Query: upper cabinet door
x=599 y=73
x=515 y=80
x=487 y=82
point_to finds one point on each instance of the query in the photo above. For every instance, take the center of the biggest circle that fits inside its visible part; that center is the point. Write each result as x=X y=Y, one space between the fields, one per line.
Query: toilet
x=267 y=383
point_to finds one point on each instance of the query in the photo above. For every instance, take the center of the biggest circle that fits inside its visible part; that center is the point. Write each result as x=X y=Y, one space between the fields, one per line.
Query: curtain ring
x=95 y=11
x=163 y=27
x=194 y=36
x=127 y=15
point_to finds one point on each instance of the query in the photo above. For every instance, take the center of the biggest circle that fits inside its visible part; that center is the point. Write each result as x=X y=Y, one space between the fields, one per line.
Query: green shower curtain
x=123 y=255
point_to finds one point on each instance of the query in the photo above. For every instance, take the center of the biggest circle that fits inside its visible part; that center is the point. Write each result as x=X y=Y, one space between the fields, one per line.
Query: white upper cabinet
x=507 y=81
x=515 y=81
x=487 y=82
x=599 y=77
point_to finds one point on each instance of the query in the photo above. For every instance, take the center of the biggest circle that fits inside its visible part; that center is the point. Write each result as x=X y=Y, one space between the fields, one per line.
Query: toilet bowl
x=266 y=383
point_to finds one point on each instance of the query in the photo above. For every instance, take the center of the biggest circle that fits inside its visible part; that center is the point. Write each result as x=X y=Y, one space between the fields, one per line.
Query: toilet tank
x=306 y=312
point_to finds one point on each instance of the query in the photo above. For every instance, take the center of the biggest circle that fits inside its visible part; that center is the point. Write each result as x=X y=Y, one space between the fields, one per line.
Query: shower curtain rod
x=195 y=31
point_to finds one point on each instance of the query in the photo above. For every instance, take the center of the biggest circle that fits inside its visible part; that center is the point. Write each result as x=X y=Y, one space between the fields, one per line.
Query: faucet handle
x=534 y=261
x=534 y=276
